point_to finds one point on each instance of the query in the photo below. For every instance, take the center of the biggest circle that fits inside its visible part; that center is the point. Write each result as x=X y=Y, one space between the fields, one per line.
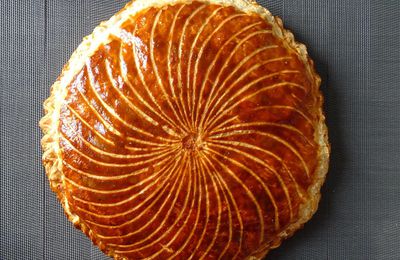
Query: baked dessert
x=187 y=130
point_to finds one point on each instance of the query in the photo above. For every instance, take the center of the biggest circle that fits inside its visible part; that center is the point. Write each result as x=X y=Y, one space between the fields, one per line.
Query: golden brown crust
x=52 y=155
x=307 y=209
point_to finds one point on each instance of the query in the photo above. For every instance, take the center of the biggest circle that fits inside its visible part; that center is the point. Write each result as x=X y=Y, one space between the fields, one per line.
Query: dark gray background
x=356 y=48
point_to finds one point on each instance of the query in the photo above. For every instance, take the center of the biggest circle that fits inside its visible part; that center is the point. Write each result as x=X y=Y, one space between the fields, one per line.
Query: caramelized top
x=189 y=134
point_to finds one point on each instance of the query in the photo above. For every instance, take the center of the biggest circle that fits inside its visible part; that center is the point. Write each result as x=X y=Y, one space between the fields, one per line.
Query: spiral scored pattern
x=189 y=135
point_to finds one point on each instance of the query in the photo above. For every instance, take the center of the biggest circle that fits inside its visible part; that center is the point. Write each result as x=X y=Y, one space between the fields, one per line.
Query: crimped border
x=52 y=158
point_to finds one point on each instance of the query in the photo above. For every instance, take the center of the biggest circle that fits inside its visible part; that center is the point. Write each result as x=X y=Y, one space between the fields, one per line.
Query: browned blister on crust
x=187 y=130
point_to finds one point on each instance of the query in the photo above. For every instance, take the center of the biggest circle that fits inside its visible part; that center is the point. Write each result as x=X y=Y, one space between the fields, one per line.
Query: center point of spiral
x=191 y=142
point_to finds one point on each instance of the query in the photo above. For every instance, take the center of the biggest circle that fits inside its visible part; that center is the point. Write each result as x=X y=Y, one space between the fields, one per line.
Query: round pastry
x=187 y=130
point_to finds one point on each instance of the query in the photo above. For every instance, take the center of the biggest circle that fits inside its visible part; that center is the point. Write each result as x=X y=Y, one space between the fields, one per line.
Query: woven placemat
x=355 y=44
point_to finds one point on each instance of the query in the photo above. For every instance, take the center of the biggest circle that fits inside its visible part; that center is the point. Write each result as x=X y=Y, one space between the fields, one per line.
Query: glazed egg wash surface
x=187 y=130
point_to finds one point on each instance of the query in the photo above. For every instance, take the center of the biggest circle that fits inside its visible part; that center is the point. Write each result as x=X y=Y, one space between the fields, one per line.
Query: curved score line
x=139 y=70
x=134 y=41
x=107 y=192
x=223 y=183
x=92 y=160
x=76 y=114
x=260 y=123
x=200 y=174
x=159 y=80
x=170 y=79
x=109 y=108
x=212 y=64
x=217 y=116
x=184 y=223
x=269 y=153
x=224 y=66
x=154 y=216
x=166 y=170
x=212 y=177
x=276 y=138
x=124 y=74
x=100 y=117
x=167 y=231
x=226 y=122
x=146 y=149
x=229 y=215
x=122 y=95
x=200 y=30
x=168 y=144
x=247 y=190
x=287 y=107
x=163 y=188
x=243 y=75
x=109 y=178
x=273 y=171
x=195 y=224
x=255 y=176
x=229 y=89
x=114 y=155
x=179 y=70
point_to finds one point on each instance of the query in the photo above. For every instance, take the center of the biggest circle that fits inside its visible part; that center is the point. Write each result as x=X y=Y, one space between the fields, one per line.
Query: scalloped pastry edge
x=52 y=157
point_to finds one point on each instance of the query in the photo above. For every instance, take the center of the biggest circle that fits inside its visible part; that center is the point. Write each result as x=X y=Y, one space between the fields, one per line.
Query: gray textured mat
x=356 y=46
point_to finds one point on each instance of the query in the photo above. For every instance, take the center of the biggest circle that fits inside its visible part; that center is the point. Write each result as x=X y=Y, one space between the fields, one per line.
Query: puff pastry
x=187 y=130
